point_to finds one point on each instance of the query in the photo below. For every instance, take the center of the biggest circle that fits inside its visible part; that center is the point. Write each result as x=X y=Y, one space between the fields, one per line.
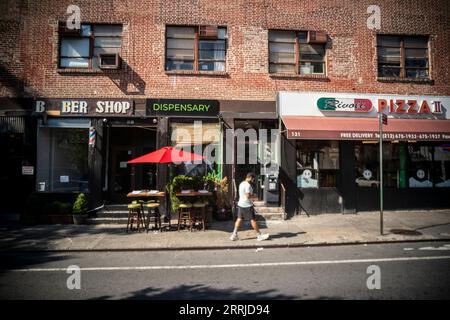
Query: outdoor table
x=193 y=194
x=143 y=194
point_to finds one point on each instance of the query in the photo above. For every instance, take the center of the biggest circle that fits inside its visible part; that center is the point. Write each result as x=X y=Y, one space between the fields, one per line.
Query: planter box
x=29 y=219
x=79 y=219
x=55 y=219
x=209 y=217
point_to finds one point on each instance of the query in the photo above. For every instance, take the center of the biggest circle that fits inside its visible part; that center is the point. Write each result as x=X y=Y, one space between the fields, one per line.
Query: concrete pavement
x=325 y=229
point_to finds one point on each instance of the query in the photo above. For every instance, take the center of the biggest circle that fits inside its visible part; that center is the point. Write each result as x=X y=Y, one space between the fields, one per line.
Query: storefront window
x=420 y=166
x=391 y=164
x=197 y=137
x=62 y=159
x=405 y=164
x=442 y=165
x=367 y=173
x=367 y=164
x=317 y=164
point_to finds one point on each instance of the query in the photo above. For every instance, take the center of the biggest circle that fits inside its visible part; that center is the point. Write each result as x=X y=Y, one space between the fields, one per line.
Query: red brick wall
x=28 y=50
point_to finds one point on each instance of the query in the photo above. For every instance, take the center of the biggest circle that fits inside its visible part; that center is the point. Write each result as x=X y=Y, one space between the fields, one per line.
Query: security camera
x=105 y=120
x=155 y=120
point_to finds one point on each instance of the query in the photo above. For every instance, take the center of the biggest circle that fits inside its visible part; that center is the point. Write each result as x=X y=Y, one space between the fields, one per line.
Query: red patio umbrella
x=168 y=155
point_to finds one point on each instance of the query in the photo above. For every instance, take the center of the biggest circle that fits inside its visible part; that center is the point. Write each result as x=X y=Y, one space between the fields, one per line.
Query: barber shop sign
x=85 y=107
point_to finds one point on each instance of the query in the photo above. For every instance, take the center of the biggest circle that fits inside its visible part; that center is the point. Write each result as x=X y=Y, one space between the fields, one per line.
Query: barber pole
x=92 y=136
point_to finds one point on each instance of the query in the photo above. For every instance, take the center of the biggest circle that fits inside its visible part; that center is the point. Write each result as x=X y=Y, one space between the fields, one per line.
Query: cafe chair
x=199 y=214
x=185 y=215
x=135 y=213
x=153 y=215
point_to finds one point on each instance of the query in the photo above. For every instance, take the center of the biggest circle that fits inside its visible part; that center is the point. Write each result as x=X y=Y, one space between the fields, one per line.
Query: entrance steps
x=111 y=214
x=118 y=214
x=263 y=212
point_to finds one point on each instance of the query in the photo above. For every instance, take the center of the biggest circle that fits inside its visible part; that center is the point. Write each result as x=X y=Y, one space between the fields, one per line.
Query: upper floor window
x=403 y=56
x=90 y=47
x=296 y=52
x=200 y=48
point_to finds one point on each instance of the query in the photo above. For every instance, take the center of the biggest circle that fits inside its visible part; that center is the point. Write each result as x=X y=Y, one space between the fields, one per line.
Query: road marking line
x=249 y=265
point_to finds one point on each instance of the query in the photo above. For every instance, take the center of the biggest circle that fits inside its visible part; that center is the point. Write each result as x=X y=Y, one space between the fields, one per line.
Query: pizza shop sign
x=394 y=106
x=84 y=107
x=402 y=106
x=345 y=104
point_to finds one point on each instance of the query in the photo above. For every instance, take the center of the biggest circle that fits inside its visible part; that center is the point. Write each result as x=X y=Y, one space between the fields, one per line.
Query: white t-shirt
x=245 y=188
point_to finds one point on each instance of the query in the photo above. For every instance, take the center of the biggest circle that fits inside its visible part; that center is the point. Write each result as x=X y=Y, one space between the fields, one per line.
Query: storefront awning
x=338 y=128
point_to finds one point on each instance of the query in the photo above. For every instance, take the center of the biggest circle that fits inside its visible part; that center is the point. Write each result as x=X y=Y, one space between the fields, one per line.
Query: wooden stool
x=199 y=215
x=153 y=215
x=134 y=212
x=184 y=215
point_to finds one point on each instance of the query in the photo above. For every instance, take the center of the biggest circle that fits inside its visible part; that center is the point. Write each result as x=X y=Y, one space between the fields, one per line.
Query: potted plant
x=79 y=210
x=178 y=184
x=223 y=203
x=56 y=212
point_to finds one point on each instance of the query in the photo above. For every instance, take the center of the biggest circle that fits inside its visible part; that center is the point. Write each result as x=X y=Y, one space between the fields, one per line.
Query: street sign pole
x=380 y=120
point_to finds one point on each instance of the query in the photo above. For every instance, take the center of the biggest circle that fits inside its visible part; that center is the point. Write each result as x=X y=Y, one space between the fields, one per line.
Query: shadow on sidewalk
x=433 y=226
x=286 y=235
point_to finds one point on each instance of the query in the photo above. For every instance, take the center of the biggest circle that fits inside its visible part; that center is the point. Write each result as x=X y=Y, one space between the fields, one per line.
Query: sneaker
x=234 y=237
x=262 y=237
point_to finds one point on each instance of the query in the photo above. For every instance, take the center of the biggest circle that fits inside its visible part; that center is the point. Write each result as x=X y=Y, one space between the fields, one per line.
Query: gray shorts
x=247 y=213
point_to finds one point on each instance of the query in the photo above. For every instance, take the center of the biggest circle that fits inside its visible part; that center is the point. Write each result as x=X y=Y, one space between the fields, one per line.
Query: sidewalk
x=325 y=229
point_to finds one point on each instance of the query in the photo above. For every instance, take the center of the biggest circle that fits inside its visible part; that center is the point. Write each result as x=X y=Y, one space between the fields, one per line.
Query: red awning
x=335 y=128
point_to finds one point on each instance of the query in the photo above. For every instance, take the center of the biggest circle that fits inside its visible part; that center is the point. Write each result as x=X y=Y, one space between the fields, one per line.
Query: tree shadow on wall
x=126 y=79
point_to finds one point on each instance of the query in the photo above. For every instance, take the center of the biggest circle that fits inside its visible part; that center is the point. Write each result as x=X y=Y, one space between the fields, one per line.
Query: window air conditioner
x=108 y=61
x=317 y=37
x=208 y=32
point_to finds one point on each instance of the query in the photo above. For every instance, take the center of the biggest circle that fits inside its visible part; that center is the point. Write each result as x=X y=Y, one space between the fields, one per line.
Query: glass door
x=121 y=174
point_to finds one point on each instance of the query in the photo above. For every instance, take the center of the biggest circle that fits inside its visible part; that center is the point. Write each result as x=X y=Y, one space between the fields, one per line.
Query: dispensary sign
x=181 y=107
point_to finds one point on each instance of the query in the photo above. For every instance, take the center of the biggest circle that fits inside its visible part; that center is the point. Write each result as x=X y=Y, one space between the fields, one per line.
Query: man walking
x=245 y=208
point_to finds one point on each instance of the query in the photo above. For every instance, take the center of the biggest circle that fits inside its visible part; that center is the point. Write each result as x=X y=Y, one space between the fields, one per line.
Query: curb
x=268 y=246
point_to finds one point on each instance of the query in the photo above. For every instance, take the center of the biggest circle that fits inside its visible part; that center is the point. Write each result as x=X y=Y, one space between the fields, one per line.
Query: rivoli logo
x=344 y=104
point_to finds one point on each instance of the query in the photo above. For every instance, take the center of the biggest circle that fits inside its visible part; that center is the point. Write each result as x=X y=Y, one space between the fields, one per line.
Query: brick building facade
x=30 y=48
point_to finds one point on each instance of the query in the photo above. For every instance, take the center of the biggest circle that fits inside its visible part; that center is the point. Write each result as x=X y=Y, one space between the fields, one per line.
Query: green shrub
x=178 y=183
x=34 y=205
x=80 y=205
x=52 y=207
x=65 y=208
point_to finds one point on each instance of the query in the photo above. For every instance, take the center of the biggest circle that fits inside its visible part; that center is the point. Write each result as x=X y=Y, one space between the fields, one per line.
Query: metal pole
x=380 y=120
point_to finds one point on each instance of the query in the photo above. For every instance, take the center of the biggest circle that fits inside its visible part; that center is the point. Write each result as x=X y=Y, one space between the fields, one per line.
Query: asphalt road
x=407 y=271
